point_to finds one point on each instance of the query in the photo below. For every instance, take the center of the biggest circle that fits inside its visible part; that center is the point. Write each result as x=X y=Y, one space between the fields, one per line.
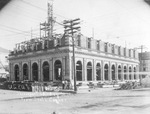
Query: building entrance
x=58 y=70
x=106 y=72
x=113 y=72
x=25 y=72
x=89 y=71
x=98 y=71
x=79 y=71
x=35 y=72
x=45 y=71
x=16 y=73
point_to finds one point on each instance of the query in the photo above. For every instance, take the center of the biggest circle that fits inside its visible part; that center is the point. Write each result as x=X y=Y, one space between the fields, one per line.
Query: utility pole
x=69 y=26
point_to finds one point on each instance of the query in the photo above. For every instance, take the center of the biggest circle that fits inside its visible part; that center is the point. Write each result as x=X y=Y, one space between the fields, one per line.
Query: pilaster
x=20 y=71
x=109 y=72
x=132 y=73
x=94 y=70
x=84 y=70
x=63 y=68
x=11 y=72
x=116 y=71
x=29 y=70
x=122 y=72
x=127 y=73
x=51 y=69
x=40 y=75
x=67 y=68
x=102 y=70
x=137 y=72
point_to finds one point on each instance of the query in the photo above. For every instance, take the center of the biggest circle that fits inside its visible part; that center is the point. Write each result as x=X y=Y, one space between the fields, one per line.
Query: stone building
x=51 y=60
x=144 y=59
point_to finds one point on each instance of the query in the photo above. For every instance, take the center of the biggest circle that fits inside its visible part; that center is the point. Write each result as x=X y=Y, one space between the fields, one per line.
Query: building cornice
x=59 y=51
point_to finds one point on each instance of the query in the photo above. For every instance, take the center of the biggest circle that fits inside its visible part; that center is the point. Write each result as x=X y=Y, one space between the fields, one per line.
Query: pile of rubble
x=145 y=82
x=129 y=85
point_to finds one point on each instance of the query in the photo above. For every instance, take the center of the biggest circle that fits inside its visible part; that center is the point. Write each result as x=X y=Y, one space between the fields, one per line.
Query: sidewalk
x=86 y=90
x=6 y=95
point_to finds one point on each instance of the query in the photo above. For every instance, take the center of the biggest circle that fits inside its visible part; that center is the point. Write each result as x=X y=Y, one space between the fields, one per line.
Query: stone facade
x=51 y=60
x=144 y=62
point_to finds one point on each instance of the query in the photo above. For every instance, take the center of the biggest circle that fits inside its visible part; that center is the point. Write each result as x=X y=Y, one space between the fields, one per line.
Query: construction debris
x=145 y=82
x=129 y=85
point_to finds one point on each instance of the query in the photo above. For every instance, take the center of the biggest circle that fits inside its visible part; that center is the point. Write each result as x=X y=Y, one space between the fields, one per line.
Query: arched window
x=106 y=71
x=98 y=71
x=130 y=71
x=35 y=72
x=58 y=70
x=25 y=72
x=119 y=72
x=113 y=72
x=16 y=72
x=79 y=71
x=45 y=71
x=125 y=72
x=89 y=71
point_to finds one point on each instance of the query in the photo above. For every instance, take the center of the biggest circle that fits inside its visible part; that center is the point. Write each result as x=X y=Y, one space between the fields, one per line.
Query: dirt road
x=98 y=101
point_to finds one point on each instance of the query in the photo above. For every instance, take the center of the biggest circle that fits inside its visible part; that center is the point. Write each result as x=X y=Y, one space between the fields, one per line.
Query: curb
x=68 y=91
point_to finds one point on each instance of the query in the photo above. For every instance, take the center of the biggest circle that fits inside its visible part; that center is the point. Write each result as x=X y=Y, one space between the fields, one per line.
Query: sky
x=122 y=22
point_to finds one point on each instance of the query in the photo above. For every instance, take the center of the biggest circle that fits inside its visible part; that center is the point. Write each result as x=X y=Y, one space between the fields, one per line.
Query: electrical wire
x=25 y=13
x=42 y=8
x=131 y=12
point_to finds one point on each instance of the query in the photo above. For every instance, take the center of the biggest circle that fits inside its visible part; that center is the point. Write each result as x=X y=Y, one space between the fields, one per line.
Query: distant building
x=144 y=62
x=3 y=62
x=51 y=60
x=3 y=73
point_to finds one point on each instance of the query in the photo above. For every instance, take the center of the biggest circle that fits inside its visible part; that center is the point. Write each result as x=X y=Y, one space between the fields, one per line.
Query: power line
x=41 y=8
x=11 y=29
x=34 y=5
x=131 y=12
x=25 y=13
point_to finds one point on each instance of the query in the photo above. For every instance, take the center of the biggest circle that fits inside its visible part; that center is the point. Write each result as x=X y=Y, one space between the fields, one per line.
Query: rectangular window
x=89 y=43
x=119 y=51
x=134 y=53
x=124 y=51
x=98 y=45
x=78 y=40
x=106 y=48
x=113 y=48
x=129 y=52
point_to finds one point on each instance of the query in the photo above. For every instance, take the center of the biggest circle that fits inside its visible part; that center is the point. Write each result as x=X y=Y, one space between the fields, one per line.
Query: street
x=96 y=101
